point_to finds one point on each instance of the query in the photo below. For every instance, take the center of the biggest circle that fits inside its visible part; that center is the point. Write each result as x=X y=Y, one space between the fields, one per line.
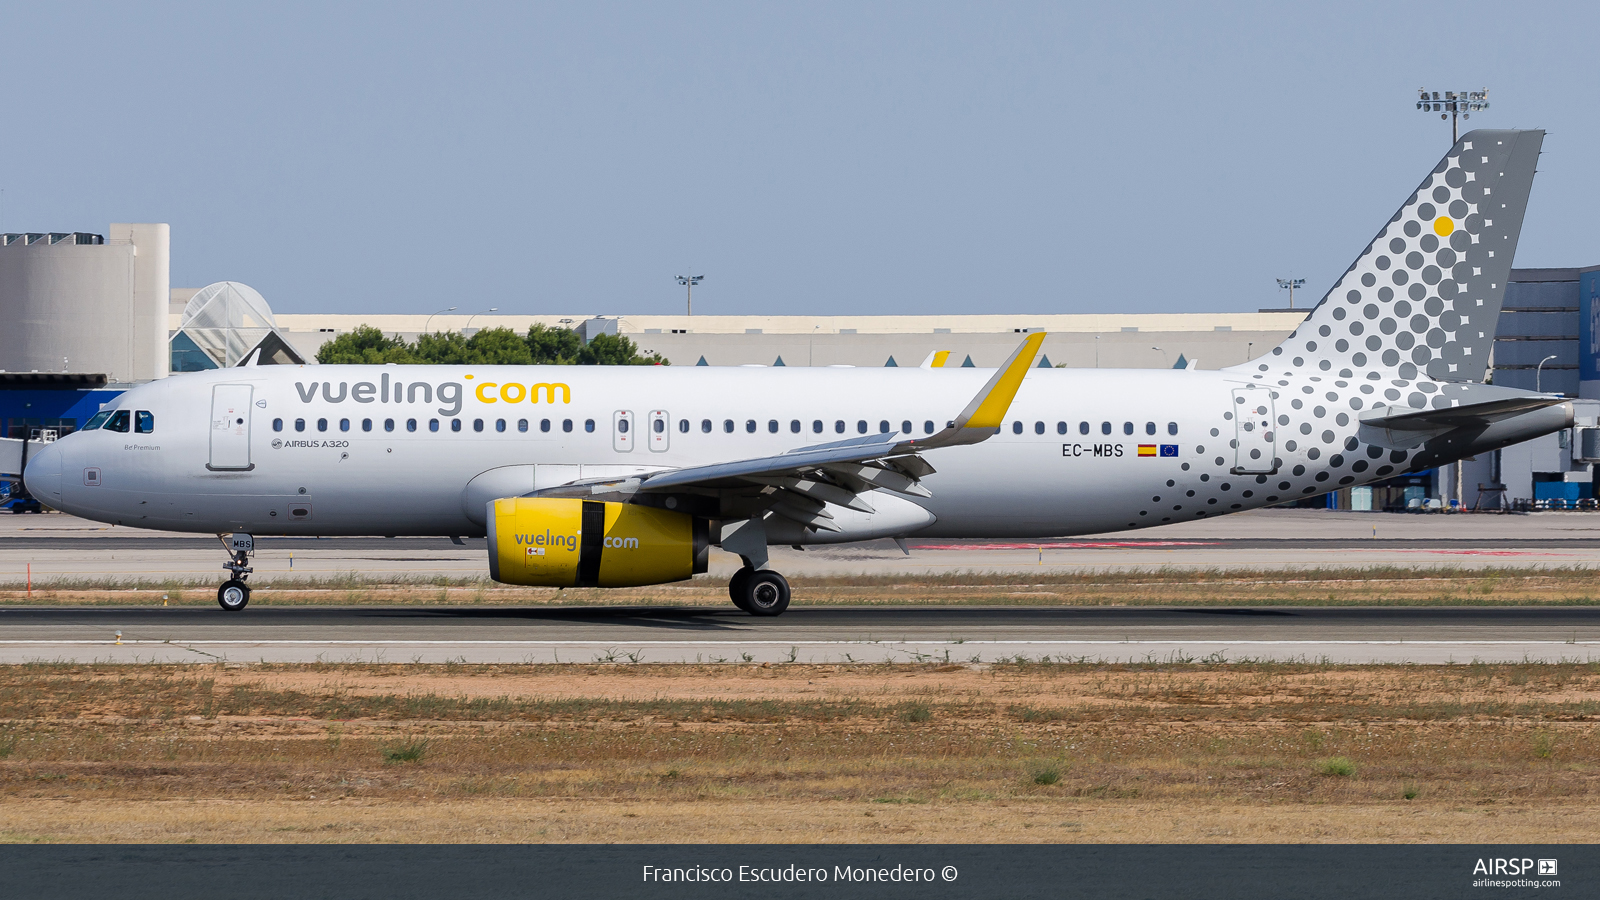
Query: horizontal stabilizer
x=1403 y=419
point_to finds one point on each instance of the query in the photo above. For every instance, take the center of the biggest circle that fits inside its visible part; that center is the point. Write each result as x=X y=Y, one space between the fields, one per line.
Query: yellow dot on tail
x=1443 y=225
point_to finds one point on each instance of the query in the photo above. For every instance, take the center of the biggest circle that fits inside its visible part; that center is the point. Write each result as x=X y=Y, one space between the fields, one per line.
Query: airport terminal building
x=88 y=315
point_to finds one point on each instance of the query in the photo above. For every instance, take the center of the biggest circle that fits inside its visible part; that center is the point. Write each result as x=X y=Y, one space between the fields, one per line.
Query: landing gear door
x=1255 y=439
x=230 y=428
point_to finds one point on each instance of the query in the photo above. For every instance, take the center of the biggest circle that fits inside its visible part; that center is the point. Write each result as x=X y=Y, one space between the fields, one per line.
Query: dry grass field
x=795 y=753
x=1164 y=587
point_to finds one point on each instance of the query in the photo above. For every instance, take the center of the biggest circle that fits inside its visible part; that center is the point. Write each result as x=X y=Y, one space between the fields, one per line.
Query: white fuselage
x=308 y=450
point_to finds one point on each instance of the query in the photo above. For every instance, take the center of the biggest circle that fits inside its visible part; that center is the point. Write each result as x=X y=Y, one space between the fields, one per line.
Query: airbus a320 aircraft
x=610 y=477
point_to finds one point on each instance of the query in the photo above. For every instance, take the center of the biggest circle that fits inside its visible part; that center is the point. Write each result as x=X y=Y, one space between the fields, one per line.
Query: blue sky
x=815 y=158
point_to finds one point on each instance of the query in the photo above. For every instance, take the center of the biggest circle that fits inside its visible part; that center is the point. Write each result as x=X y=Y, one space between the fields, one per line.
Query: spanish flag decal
x=1147 y=449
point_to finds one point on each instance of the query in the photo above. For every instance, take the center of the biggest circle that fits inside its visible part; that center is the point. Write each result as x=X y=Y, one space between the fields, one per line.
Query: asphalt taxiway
x=816 y=635
x=55 y=547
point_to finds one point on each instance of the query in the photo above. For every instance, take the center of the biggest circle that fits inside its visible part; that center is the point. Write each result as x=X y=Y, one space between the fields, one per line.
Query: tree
x=553 y=346
x=365 y=345
x=543 y=345
x=615 y=350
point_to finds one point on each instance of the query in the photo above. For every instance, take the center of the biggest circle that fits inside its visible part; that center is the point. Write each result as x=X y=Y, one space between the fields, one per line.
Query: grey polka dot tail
x=1389 y=372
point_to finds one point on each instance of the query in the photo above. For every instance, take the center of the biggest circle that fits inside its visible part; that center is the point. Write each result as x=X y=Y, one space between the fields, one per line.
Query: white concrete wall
x=152 y=259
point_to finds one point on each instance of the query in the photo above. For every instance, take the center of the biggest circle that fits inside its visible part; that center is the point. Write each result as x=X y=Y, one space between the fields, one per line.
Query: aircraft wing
x=797 y=483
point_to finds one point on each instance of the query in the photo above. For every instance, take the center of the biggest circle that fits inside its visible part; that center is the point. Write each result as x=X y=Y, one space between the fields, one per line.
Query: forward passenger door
x=230 y=428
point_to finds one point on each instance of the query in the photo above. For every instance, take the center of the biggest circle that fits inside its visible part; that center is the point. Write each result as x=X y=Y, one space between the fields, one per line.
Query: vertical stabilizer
x=1423 y=299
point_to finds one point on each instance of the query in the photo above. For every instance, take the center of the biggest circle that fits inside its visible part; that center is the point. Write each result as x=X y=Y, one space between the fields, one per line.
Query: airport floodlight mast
x=688 y=282
x=1290 y=284
x=1452 y=104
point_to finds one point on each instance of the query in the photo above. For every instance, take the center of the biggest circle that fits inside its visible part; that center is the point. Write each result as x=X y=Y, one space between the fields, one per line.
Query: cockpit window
x=98 y=420
x=144 y=422
x=118 y=422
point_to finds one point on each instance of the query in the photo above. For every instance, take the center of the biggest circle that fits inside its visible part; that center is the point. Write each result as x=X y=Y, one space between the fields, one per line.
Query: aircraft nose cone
x=43 y=474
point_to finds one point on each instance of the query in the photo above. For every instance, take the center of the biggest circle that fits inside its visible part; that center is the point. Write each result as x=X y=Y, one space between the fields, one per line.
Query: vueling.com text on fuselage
x=450 y=392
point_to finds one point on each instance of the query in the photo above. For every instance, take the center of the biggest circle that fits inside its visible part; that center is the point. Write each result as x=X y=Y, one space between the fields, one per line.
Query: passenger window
x=344 y=424
x=861 y=426
x=433 y=424
x=411 y=424
x=1105 y=427
x=1083 y=427
x=750 y=426
x=794 y=426
x=927 y=427
x=143 y=422
x=299 y=424
x=683 y=426
x=366 y=424
x=659 y=426
x=388 y=424
x=883 y=426
x=544 y=425
x=1016 y=427
x=705 y=426
x=905 y=427
x=1149 y=428
x=1172 y=428
x=566 y=425
x=277 y=424
x=477 y=425
x=455 y=424
x=322 y=424
x=1038 y=428
x=838 y=426
x=772 y=426
x=588 y=425
x=1061 y=428
x=500 y=425
x=816 y=426
x=727 y=426
x=1127 y=428
x=522 y=425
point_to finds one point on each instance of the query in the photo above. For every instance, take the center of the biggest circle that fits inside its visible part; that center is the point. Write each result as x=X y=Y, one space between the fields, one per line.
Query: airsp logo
x=1502 y=866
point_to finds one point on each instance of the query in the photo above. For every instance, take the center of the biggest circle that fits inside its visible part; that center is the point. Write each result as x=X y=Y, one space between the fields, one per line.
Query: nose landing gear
x=234 y=594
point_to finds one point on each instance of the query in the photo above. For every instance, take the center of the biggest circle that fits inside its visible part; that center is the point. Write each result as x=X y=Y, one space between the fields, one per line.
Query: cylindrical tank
x=87 y=308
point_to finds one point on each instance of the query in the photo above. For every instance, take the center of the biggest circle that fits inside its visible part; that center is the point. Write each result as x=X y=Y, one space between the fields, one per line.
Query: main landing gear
x=759 y=592
x=234 y=594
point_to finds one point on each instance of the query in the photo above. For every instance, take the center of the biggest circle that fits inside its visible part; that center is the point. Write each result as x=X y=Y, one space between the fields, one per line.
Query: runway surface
x=55 y=547
x=820 y=635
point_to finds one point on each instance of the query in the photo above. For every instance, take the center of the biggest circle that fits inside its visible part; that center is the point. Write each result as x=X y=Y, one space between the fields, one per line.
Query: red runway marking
x=1075 y=545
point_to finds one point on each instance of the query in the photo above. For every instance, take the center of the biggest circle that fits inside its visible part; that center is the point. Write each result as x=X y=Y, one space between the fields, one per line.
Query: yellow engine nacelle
x=587 y=543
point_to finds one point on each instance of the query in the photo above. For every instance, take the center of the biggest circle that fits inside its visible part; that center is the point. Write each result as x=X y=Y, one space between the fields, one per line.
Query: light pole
x=688 y=282
x=1452 y=104
x=1163 y=354
x=477 y=314
x=1538 y=374
x=1249 y=348
x=430 y=318
x=1290 y=284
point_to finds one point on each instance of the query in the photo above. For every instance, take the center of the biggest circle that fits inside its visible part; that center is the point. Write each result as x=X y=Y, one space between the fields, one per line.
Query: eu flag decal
x=1169 y=450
